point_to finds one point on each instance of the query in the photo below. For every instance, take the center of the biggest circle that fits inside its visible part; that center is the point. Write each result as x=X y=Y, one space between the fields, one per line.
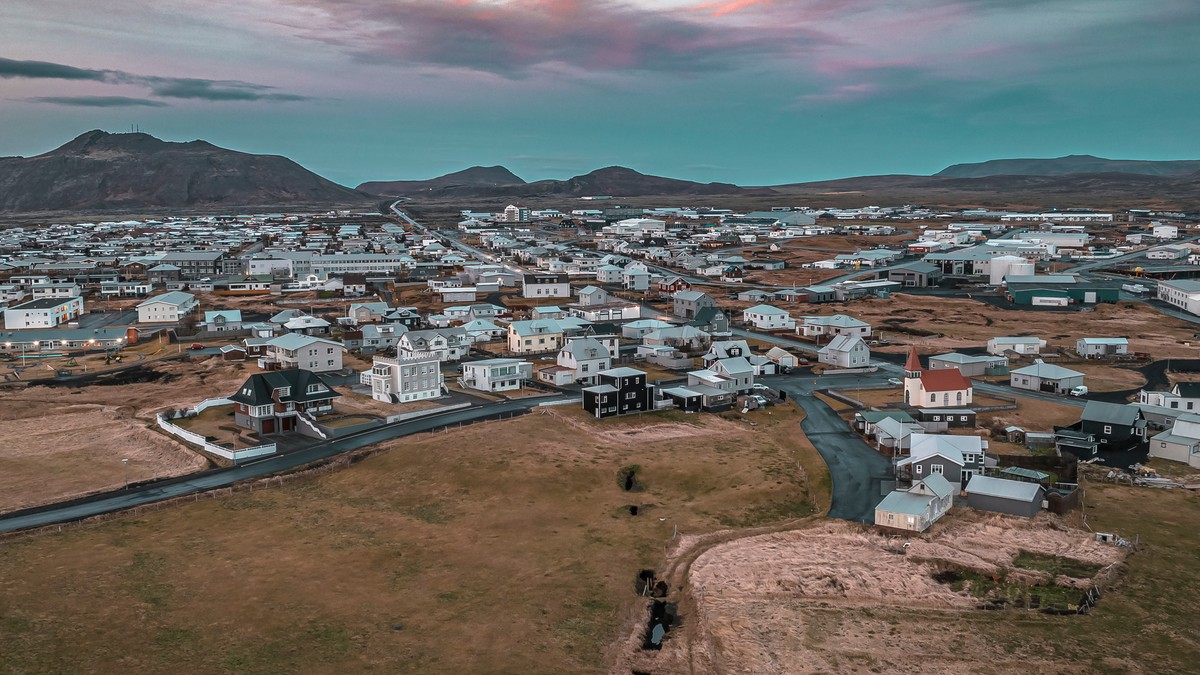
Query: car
x=896 y=381
x=760 y=387
x=196 y=345
x=1081 y=390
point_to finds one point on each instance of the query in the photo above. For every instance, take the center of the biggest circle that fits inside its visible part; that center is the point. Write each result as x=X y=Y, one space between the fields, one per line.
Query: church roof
x=946 y=379
x=913 y=364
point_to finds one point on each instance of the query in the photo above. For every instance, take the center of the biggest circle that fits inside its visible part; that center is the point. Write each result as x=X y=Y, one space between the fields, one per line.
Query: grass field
x=502 y=547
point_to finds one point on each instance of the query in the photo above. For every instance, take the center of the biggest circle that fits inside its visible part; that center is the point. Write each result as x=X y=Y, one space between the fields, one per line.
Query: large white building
x=1183 y=294
x=43 y=313
x=166 y=308
x=404 y=380
x=542 y=285
x=766 y=317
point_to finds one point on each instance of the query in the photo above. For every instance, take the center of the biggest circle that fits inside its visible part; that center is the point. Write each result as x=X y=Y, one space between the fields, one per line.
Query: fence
x=234 y=456
x=392 y=419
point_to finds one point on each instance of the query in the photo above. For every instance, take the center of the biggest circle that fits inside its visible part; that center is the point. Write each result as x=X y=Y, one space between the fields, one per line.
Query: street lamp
x=125 y=463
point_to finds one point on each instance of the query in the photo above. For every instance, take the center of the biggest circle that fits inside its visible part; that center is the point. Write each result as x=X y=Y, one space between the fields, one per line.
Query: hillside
x=614 y=181
x=476 y=176
x=1071 y=164
x=100 y=170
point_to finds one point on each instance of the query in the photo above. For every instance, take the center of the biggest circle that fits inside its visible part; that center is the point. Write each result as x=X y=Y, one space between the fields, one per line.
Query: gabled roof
x=259 y=388
x=1111 y=413
x=298 y=341
x=1047 y=371
x=177 y=298
x=944 y=379
x=1187 y=389
x=836 y=320
x=843 y=343
x=906 y=503
x=938 y=485
x=765 y=309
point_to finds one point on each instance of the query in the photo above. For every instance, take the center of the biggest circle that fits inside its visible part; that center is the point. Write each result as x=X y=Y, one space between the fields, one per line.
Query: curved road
x=220 y=478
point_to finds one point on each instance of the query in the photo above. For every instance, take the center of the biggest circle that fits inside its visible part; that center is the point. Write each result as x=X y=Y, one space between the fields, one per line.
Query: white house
x=846 y=351
x=828 y=326
x=586 y=356
x=496 y=374
x=1184 y=294
x=166 y=307
x=1180 y=443
x=1097 y=348
x=223 y=320
x=918 y=507
x=305 y=352
x=444 y=344
x=1019 y=345
x=766 y=317
x=43 y=313
x=542 y=285
x=404 y=380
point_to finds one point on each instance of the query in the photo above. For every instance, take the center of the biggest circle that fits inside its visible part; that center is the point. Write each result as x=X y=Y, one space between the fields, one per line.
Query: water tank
x=1002 y=265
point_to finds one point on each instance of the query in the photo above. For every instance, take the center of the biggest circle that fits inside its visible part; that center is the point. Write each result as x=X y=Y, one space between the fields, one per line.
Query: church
x=941 y=388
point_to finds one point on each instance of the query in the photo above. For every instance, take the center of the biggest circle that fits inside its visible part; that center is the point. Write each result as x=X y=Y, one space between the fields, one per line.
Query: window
x=630 y=396
x=917 y=469
x=937 y=468
x=933 y=398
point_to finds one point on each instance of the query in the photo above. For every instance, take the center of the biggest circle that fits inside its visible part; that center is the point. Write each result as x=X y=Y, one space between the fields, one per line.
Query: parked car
x=758 y=386
x=1081 y=390
x=196 y=345
x=896 y=381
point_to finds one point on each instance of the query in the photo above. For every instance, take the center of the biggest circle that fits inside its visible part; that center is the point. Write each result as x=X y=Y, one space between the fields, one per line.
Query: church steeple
x=912 y=367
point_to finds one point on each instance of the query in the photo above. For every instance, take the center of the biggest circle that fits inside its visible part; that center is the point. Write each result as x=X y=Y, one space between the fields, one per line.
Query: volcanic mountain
x=100 y=170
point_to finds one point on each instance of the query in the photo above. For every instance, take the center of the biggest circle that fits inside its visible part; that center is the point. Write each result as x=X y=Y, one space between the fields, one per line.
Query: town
x=939 y=363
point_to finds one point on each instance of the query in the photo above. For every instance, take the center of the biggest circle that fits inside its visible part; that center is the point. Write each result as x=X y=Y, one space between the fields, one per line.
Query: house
x=782 y=357
x=1045 y=377
x=43 y=313
x=535 y=336
x=970 y=365
x=1099 y=348
x=620 y=391
x=917 y=508
x=891 y=432
x=586 y=356
x=378 y=337
x=634 y=330
x=680 y=337
x=726 y=349
x=671 y=285
x=543 y=285
x=688 y=303
x=354 y=284
x=305 y=352
x=712 y=320
x=1111 y=427
x=738 y=373
x=402 y=380
x=405 y=316
x=444 y=344
x=635 y=278
x=1183 y=396
x=1017 y=345
x=957 y=458
x=221 y=321
x=593 y=296
x=1000 y=495
x=866 y=420
x=942 y=388
x=269 y=403
x=307 y=325
x=168 y=307
x=825 y=327
x=766 y=317
x=366 y=312
x=286 y=316
x=482 y=330
x=846 y=351
x=496 y=374
x=1181 y=443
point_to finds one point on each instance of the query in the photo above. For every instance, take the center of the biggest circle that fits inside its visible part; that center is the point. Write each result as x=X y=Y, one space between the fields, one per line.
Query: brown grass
x=504 y=547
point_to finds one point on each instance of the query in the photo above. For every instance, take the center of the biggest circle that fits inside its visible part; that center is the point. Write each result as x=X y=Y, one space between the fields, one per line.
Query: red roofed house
x=941 y=388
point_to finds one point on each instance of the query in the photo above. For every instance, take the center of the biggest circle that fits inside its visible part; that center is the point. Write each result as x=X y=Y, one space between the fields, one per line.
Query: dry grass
x=1100 y=376
x=504 y=547
x=1032 y=415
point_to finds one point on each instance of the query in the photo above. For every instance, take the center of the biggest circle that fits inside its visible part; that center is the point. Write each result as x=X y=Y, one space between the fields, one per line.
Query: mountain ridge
x=102 y=170
x=1068 y=165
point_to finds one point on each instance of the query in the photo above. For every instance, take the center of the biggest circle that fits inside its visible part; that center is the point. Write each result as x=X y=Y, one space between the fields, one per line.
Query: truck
x=1081 y=390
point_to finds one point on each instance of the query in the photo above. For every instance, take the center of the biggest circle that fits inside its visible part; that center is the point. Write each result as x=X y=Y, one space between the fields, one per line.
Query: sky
x=754 y=92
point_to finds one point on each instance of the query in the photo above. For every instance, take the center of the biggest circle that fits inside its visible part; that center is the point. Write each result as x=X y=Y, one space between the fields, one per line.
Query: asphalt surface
x=220 y=478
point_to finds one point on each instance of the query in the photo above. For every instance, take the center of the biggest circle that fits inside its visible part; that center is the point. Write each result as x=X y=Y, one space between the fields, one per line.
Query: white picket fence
x=196 y=439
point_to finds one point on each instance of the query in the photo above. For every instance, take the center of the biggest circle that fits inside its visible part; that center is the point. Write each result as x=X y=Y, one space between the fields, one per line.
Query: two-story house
x=444 y=344
x=535 y=336
x=620 y=391
x=268 y=403
x=404 y=380
x=586 y=356
x=304 y=352
x=496 y=374
x=167 y=307
x=687 y=304
x=766 y=317
x=542 y=285
x=956 y=458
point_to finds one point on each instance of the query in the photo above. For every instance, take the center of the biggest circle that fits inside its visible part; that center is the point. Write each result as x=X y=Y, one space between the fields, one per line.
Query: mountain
x=1071 y=164
x=99 y=170
x=613 y=181
x=476 y=176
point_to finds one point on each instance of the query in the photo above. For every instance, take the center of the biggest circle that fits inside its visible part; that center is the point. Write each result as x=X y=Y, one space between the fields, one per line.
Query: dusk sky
x=745 y=91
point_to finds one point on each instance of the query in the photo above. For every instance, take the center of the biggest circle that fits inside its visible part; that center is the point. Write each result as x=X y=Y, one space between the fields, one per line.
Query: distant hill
x=1071 y=164
x=613 y=181
x=100 y=170
x=476 y=176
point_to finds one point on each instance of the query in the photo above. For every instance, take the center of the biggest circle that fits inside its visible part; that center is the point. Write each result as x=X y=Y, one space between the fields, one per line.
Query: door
x=268 y=425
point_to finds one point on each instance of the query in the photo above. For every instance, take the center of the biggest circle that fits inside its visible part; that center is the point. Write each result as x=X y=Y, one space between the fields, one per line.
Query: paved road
x=219 y=478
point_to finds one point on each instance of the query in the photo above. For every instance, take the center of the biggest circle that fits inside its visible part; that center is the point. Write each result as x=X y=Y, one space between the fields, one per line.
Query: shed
x=1001 y=495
